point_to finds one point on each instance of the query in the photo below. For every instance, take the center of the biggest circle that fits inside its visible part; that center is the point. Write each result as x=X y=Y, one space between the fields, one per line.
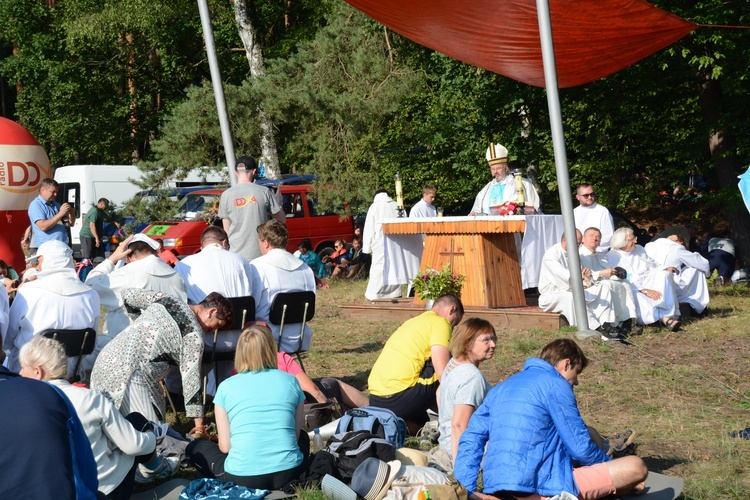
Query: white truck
x=83 y=185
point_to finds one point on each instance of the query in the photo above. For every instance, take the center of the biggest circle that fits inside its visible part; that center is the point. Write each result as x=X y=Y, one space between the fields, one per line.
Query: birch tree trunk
x=269 y=156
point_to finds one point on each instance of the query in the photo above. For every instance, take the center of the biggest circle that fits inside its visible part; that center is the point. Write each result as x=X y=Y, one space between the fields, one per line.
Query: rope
x=724 y=26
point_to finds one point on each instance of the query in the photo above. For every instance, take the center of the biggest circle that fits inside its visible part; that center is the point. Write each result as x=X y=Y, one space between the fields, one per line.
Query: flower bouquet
x=431 y=283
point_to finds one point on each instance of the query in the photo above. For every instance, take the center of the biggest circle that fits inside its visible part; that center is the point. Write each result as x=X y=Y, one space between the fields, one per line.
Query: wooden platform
x=508 y=317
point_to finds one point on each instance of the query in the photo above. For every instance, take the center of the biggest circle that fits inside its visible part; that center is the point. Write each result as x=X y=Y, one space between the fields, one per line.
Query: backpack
x=379 y=421
x=352 y=448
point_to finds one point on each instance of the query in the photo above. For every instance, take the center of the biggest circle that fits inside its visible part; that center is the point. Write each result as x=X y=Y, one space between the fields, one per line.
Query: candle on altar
x=399 y=192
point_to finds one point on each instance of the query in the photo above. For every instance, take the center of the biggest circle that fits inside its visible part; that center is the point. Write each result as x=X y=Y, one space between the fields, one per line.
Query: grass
x=682 y=392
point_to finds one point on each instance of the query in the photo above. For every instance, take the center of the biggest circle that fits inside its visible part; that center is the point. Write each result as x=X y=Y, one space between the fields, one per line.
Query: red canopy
x=593 y=38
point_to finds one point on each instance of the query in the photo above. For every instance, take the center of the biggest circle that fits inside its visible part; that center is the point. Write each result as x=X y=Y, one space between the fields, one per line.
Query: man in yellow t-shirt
x=407 y=373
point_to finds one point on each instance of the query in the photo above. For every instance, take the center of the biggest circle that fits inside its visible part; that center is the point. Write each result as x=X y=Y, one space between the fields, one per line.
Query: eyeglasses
x=587 y=195
x=486 y=340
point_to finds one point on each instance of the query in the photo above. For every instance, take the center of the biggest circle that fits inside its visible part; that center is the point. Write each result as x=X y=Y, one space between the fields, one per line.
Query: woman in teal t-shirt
x=259 y=414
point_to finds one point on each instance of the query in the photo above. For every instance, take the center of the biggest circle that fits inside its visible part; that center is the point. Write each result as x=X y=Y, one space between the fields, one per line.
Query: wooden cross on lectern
x=451 y=254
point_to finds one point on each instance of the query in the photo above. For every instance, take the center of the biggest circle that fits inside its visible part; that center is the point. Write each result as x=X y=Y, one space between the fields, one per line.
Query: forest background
x=317 y=87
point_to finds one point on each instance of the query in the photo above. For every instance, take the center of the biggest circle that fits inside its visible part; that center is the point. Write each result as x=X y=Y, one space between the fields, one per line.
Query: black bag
x=352 y=448
x=319 y=414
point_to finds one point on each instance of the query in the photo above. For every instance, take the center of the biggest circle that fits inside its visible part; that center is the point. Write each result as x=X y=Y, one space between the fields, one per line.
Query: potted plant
x=431 y=284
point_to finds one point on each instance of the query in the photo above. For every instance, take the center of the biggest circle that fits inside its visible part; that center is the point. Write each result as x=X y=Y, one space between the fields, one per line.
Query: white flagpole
x=561 y=165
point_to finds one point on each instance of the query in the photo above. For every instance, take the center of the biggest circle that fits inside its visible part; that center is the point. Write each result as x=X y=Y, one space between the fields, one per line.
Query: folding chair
x=243 y=309
x=290 y=308
x=76 y=342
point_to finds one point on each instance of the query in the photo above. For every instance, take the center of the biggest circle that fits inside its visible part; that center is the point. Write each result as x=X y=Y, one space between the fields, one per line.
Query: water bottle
x=317 y=441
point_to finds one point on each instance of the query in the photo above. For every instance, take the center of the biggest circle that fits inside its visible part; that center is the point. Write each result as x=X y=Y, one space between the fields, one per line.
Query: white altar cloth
x=403 y=252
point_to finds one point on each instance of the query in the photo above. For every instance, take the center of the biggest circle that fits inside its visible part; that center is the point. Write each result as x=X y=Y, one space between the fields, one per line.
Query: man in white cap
x=53 y=298
x=245 y=206
x=502 y=187
x=144 y=269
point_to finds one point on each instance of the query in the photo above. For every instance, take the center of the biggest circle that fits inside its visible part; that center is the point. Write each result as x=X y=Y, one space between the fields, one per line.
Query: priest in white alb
x=652 y=284
x=383 y=207
x=692 y=285
x=623 y=301
x=216 y=269
x=556 y=293
x=589 y=213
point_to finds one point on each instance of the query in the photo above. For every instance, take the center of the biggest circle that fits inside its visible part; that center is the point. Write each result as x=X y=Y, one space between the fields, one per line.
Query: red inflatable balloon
x=23 y=165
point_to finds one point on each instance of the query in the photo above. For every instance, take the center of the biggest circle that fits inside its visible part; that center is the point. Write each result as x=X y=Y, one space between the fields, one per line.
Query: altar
x=485 y=249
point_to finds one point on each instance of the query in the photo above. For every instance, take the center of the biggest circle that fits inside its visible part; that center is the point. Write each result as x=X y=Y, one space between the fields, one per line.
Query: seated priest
x=692 y=285
x=556 y=294
x=601 y=273
x=652 y=284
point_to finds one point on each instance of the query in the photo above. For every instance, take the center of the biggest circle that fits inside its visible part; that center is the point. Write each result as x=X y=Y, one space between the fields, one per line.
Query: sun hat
x=333 y=489
x=56 y=255
x=145 y=239
x=371 y=481
x=373 y=477
x=411 y=456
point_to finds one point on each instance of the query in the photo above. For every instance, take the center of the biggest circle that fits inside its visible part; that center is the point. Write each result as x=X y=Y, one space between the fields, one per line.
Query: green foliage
x=333 y=99
x=441 y=131
x=149 y=209
x=191 y=136
x=96 y=75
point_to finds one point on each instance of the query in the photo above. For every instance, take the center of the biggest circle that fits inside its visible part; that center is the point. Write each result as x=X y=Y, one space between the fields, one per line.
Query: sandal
x=671 y=324
x=621 y=445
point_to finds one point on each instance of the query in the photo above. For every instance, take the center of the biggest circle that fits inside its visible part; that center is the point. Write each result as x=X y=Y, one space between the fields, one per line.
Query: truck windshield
x=194 y=205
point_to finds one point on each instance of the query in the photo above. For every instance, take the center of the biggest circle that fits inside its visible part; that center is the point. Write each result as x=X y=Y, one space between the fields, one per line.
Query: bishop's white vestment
x=498 y=192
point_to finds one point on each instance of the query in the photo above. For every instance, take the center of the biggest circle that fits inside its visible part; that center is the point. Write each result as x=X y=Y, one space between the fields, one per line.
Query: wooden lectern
x=483 y=250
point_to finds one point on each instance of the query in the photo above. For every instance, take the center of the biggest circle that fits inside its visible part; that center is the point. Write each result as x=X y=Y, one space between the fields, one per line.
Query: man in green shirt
x=91 y=230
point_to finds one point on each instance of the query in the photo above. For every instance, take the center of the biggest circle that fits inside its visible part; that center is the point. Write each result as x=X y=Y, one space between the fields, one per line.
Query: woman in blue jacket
x=534 y=431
